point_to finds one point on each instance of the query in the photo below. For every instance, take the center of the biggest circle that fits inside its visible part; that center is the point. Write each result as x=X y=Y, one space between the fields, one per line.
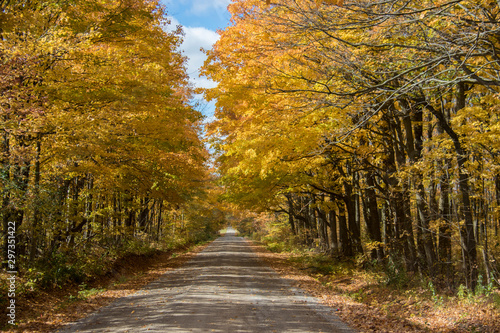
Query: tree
x=98 y=137
x=366 y=82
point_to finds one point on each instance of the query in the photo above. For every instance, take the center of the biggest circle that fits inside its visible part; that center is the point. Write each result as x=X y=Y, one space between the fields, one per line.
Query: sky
x=200 y=20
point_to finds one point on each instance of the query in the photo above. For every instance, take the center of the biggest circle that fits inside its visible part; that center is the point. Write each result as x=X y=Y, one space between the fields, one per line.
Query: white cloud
x=173 y=23
x=203 y=82
x=197 y=38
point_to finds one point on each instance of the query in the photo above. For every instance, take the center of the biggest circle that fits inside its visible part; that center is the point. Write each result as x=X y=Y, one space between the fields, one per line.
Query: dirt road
x=225 y=288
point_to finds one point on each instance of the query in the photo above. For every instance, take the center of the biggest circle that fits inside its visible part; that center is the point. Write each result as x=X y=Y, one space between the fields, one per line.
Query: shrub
x=396 y=273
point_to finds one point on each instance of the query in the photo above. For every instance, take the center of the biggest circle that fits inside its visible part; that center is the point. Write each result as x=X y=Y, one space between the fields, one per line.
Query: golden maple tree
x=99 y=141
x=367 y=112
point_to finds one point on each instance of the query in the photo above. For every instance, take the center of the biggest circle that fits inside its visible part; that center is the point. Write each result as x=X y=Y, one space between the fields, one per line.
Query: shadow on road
x=225 y=288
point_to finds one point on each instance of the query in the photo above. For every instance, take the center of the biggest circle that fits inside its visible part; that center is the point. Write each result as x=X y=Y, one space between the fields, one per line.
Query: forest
x=366 y=131
x=369 y=128
x=100 y=149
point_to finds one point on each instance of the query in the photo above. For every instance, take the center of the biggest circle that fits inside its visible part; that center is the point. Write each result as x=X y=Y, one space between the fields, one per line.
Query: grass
x=121 y=279
x=83 y=294
x=86 y=292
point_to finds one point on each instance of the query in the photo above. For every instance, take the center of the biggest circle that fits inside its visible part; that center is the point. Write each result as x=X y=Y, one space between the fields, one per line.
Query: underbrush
x=81 y=265
x=402 y=296
x=77 y=282
x=277 y=239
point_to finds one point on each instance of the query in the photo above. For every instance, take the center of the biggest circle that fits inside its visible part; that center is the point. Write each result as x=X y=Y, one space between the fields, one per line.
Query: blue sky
x=200 y=20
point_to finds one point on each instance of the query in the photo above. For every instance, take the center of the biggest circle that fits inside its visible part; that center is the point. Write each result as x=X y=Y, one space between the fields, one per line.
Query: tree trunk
x=423 y=215
x=332 y=217
x=469 y=251
x=354 y=226
x=398 y=196
x=36 y=204
x=372 y=218
x=290 y=214
x=322 y=229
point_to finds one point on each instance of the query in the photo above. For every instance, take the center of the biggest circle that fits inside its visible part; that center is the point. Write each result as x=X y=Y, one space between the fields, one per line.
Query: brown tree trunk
x=415 y=147
x=290 y=214
x=400 y=199
x=36 y=204
x=332 y=217
x=352 y=216
x=322 y=229
x=345 y=241
x=469 y=251
x=372 y=218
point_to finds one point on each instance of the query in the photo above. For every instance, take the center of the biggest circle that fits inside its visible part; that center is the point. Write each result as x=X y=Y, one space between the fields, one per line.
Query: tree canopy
x=100 y=145
x=370 y=124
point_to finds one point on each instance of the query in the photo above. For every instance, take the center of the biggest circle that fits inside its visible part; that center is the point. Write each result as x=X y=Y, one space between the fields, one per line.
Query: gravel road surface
x=225 y=288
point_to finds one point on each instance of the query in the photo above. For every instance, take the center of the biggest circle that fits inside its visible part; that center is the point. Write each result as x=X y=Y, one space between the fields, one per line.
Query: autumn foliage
x=371 y=126
x=99 y=147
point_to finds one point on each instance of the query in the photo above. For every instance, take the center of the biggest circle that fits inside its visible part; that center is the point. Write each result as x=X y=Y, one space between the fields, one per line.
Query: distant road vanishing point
x=225 y=288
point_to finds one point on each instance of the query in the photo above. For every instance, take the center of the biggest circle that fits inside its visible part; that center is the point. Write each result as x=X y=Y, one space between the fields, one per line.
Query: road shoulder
x=357 y=315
